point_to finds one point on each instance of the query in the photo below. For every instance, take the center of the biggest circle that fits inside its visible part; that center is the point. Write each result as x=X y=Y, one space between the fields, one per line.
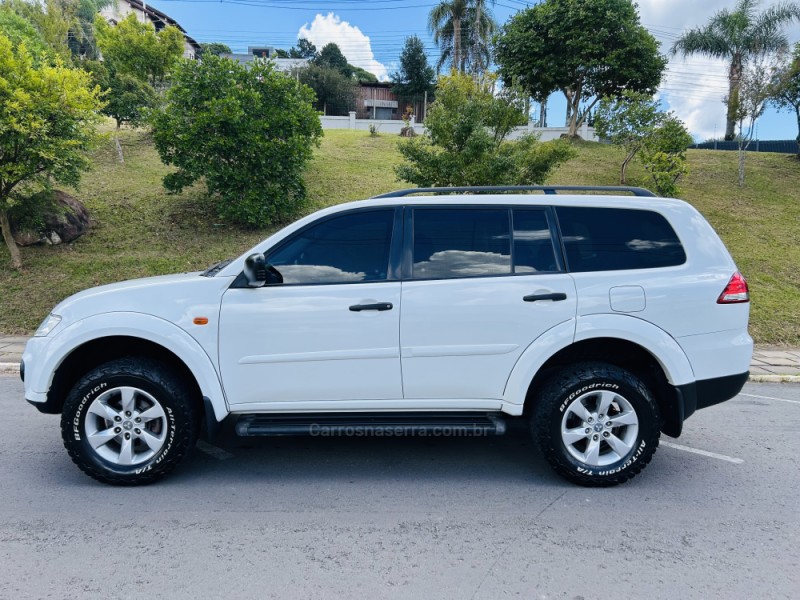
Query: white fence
x=390 y=126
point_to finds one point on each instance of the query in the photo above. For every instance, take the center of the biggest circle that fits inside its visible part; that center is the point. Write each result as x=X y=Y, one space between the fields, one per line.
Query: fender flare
x=663 y=347
x=137 y=325
x=531 y=360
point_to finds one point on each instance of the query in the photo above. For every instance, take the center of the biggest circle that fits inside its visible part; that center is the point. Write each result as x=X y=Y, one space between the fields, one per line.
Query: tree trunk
x=797 y=112
x=625 y=164
x=575 y=102
x=734 y=84
x=16 y=259
x=457 y=45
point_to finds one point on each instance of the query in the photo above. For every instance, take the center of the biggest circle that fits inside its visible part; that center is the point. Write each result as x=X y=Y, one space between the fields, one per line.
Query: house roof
x=157 y=15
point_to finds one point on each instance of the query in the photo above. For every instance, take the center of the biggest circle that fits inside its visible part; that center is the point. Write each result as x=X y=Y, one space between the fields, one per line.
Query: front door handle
x=555 y=297
x=376 y=306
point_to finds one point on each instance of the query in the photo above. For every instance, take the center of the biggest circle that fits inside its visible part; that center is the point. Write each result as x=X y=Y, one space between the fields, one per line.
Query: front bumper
x=32 y=359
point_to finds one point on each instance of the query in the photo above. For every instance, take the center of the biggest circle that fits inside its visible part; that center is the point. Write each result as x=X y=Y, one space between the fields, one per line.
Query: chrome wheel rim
x=599 y=428
x=126 y=426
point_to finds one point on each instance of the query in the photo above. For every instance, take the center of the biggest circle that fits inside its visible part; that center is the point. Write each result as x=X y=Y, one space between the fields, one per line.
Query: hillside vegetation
x=141 y=231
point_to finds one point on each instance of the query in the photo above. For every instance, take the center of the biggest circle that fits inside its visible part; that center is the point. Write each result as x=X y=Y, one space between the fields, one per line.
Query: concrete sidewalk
x=768 y=365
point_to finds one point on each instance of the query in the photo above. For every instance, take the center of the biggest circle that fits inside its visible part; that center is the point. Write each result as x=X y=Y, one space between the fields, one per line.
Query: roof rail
x=547 y=189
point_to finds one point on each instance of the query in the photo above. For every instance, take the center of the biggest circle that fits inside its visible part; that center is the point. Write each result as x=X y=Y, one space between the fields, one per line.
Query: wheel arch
x=83 y=345
x=626 y=342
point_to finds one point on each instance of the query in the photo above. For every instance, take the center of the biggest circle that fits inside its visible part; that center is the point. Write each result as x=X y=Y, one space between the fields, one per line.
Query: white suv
x=602 y=320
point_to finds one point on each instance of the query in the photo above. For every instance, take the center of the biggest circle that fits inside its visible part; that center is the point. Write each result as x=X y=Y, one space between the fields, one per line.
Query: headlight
x=47 y=325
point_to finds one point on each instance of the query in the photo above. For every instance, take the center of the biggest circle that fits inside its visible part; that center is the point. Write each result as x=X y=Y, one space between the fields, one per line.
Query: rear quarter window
x=614 y=239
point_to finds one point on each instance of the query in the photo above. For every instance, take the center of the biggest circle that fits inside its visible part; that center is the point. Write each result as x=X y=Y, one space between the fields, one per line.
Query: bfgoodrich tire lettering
x=596 y=424
x=129 y=422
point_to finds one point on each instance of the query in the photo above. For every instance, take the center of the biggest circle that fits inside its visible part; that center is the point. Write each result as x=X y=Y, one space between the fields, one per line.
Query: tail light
x=735 y=292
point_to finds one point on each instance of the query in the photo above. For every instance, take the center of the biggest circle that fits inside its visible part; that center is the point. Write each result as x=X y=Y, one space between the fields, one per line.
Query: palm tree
x=481 y=28
x=445 y=22
x=737 y=36
x=463 y=30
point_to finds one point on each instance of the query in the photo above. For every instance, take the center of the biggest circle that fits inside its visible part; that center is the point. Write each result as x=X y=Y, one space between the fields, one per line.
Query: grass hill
x=142 y=231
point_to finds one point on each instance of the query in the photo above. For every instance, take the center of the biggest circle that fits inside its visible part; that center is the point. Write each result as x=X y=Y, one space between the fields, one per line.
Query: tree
x=587 y=49
x=136 y=49
x=663 y=155
x=362 y=75
x=754 y=93
x=786 y=87
x=48 y=116
x=737 y=35
x=466 y=144
x=415 y=76
x=481 y=29
x=55 y=19
x=331 y=57
x=66 y=26
x=19 y=30
x=215 y=48
x=247 y=131
x=463 y=30
x=82 y=42
x=445 y=22
x=628 y=121
x=304 y=49
x=335 y=92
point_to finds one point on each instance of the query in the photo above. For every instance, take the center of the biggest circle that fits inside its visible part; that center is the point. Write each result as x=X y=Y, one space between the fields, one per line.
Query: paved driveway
x=410 y=518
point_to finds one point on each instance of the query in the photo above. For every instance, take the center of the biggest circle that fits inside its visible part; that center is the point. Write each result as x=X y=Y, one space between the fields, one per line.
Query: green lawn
x=140 y=230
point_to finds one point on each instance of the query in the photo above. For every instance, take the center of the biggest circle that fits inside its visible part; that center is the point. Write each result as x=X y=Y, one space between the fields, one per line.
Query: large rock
x=63 y=219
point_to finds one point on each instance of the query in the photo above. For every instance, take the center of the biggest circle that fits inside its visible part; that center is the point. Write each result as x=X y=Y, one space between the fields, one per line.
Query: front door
x=329 y=332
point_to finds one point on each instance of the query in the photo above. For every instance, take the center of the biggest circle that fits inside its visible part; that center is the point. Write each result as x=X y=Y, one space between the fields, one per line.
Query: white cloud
x=351 y=41
x=694 y=87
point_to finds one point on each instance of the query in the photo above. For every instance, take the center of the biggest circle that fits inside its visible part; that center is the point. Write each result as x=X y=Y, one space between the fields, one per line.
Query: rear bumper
x=708 y=392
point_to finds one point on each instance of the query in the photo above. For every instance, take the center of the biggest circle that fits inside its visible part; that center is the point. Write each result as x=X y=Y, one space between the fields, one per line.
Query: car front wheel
x=129 y=422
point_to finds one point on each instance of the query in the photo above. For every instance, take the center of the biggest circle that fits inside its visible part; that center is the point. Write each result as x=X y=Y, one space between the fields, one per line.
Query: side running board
x=373 y=425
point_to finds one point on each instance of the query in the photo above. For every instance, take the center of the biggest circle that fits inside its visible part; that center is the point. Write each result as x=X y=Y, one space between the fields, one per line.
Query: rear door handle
x=376 y=306
x=555 y=297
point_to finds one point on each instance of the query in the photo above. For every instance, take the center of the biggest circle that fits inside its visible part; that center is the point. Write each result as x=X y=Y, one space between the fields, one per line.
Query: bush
x=248 y=132
x=664 y=155
x=466 y=142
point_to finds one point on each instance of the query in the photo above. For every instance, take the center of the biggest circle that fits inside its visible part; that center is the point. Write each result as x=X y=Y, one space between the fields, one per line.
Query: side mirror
x=259 y=273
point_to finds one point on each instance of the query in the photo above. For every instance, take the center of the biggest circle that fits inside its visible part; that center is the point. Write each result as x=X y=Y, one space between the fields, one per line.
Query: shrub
x=248 y=132
x=466 y=142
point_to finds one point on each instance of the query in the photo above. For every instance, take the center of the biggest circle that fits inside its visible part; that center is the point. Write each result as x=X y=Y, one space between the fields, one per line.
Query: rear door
x=475 y=297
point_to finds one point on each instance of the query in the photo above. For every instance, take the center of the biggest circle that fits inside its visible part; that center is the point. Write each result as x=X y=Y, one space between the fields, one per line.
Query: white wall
x=390 y=126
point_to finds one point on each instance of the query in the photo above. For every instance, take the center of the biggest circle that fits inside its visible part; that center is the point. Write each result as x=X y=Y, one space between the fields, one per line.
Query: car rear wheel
x=596 y=424
x=129 y=422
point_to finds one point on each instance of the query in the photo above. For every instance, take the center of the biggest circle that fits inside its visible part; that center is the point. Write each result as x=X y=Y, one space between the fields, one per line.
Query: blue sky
x=371 y=35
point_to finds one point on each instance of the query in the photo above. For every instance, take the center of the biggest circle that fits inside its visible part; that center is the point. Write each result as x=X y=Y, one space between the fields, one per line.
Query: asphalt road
x=409 y=518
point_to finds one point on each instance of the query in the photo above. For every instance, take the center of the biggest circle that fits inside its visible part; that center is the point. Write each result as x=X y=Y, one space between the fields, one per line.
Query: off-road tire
x=570 y=383
x=182 y=419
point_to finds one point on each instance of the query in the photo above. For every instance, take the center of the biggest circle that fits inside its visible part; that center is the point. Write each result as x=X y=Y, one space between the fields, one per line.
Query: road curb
x=774 y=379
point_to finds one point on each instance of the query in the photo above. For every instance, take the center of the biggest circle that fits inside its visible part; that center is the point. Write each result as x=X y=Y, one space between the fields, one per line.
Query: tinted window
x=610 y=239
x=533 y=244
x=461 y=243
x=346 y=249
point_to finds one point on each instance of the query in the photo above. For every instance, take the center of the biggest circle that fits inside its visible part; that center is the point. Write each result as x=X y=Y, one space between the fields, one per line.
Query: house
x=378 y=101
x=268 y=52
x=117 y=11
